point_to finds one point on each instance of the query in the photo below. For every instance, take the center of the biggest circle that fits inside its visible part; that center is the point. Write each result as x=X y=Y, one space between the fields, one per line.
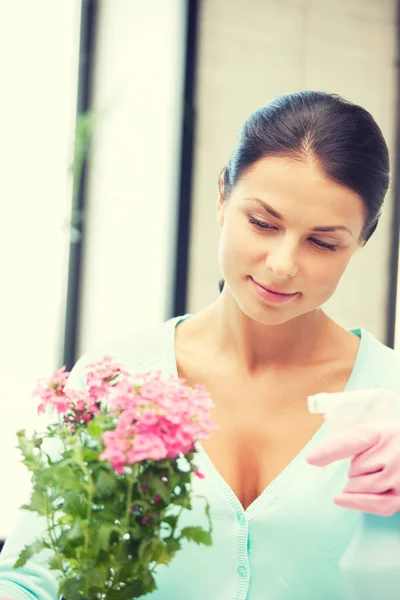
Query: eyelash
x=322 y=245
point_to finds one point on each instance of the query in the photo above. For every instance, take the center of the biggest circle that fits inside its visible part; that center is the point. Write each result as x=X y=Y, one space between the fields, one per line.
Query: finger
x=367 y=462
x=342 y=446
x=385 y=505
x=372 y=483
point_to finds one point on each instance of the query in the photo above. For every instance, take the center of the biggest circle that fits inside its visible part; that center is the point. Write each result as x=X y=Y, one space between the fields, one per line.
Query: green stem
x=50 y=527
x=173 y=529
x=91 y=491
x=207 y=510
x=131 y=481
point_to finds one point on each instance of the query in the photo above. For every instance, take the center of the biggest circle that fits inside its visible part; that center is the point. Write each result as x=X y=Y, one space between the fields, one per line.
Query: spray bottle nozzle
x=360 y=407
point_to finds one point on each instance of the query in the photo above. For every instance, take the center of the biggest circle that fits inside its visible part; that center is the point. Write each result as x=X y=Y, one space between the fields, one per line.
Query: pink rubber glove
x=374 y=475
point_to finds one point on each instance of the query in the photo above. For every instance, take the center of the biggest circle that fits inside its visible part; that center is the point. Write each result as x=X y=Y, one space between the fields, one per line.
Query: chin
x=267 y=316
x=266 y=313
x=271 y=320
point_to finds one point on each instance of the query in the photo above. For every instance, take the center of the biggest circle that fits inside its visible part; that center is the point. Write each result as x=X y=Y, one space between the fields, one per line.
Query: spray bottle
x=370 y=566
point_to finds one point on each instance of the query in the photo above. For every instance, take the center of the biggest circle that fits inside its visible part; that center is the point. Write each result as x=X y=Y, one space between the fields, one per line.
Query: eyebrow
x=278 y=216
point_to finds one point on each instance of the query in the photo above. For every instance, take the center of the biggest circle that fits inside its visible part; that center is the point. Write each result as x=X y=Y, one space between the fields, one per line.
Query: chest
x=256 y=441
x=262 y=425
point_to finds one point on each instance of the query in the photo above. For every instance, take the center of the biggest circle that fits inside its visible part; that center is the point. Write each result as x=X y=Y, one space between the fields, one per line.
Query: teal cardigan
x=285 y=546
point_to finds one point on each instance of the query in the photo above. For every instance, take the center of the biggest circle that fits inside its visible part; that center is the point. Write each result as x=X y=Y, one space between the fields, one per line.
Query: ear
x=221 y=202
x=220 y=210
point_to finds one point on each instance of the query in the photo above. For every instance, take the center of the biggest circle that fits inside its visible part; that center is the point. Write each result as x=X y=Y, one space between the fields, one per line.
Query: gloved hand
x=374 y=475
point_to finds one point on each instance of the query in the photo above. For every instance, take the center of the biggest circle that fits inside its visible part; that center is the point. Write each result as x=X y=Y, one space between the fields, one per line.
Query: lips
x=273 y=290
x=272 y=295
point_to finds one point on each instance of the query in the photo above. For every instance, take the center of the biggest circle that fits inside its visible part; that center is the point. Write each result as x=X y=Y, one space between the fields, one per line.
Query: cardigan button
x=242 y=519
x=242 y=571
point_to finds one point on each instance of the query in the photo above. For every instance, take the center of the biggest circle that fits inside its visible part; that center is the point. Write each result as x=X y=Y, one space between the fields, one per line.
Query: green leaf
x=64 y=476
x=175 y=479
x=122 y=553
x=161 y=554
x=171 y=520
x=76 y=535
x=173 y=545
x=29 y=449
x=105 y=484
x=75 y=505
x=94 y=428
x=39 y=502
x=54 y=563
x=161 y=489
x=90 y=455
x=29 y=551
x=98 y=576
x=65 y=520
x=101 y=539
x=78 y=453
x=135 y=531
x=148 y=549
x=140 y=587
x=33 y=463
x=71 y=587
x=184 y=501
x=197 y=534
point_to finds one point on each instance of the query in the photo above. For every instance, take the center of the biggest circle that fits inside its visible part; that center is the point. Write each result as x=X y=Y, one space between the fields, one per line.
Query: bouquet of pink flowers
x=112 y=475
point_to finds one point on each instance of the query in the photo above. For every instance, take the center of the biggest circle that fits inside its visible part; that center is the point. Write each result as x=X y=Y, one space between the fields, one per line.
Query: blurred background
x=116 y=119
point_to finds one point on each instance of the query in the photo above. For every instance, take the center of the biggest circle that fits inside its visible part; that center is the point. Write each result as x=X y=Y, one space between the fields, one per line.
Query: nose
x=281 y=259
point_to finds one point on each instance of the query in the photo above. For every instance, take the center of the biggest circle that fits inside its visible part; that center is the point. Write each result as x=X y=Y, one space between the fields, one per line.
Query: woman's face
x=287 y=228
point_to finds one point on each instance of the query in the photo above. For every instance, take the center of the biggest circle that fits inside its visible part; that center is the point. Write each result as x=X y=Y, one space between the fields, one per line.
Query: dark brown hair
x=342 y=137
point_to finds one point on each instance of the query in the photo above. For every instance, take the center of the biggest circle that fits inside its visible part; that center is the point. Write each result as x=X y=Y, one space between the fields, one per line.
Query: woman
x=301 y=194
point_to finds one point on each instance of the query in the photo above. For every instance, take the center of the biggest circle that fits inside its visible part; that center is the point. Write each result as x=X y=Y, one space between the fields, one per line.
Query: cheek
x=326 y=275
x=235 y=245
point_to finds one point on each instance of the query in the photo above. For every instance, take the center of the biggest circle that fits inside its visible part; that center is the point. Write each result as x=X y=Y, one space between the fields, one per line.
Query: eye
x=323 y=245
x=261 y=224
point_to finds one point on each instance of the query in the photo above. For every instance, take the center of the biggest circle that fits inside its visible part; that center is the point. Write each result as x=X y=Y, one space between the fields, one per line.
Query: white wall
x=253 y=50
x=38 y=65
x=133 y=184
x=128 y=267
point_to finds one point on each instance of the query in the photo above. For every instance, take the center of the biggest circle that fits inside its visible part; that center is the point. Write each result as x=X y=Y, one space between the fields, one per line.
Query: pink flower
x=56 y=382
x=146 y=447
x=101 y=377
x=152 y=390
x=156 y=416
x=199 y=474
x=51 y=392
x=147 y=419
x=160 y=417
x=115 y=451
x=80 y=406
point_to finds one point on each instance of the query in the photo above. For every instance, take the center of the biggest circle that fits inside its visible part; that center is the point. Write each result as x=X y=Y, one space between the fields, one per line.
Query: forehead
x=297 y=188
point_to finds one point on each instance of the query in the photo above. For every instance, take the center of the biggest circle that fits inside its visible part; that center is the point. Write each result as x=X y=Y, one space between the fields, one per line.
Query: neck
x=258 y=346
